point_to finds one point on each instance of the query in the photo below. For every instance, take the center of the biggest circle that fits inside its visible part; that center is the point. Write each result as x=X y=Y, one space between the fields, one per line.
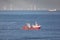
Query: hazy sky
x=29 y=4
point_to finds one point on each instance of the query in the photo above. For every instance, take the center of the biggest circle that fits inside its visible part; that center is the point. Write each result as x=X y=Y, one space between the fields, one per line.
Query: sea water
x=11 y=23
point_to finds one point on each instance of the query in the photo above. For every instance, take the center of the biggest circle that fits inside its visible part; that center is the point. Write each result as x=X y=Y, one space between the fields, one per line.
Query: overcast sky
x=29 y=4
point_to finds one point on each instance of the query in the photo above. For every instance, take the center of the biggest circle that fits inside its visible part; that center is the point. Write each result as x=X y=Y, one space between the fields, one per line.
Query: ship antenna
x=36 y=23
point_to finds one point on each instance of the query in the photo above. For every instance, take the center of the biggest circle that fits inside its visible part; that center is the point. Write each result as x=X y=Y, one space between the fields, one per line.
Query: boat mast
x=36 y=23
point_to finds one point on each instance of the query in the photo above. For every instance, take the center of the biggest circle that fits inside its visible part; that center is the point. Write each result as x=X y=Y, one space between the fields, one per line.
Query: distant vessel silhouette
x=52 y=10
x=31 y=27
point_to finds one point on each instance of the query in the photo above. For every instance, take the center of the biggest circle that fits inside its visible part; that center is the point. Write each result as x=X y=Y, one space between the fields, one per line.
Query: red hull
x=26 y=28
